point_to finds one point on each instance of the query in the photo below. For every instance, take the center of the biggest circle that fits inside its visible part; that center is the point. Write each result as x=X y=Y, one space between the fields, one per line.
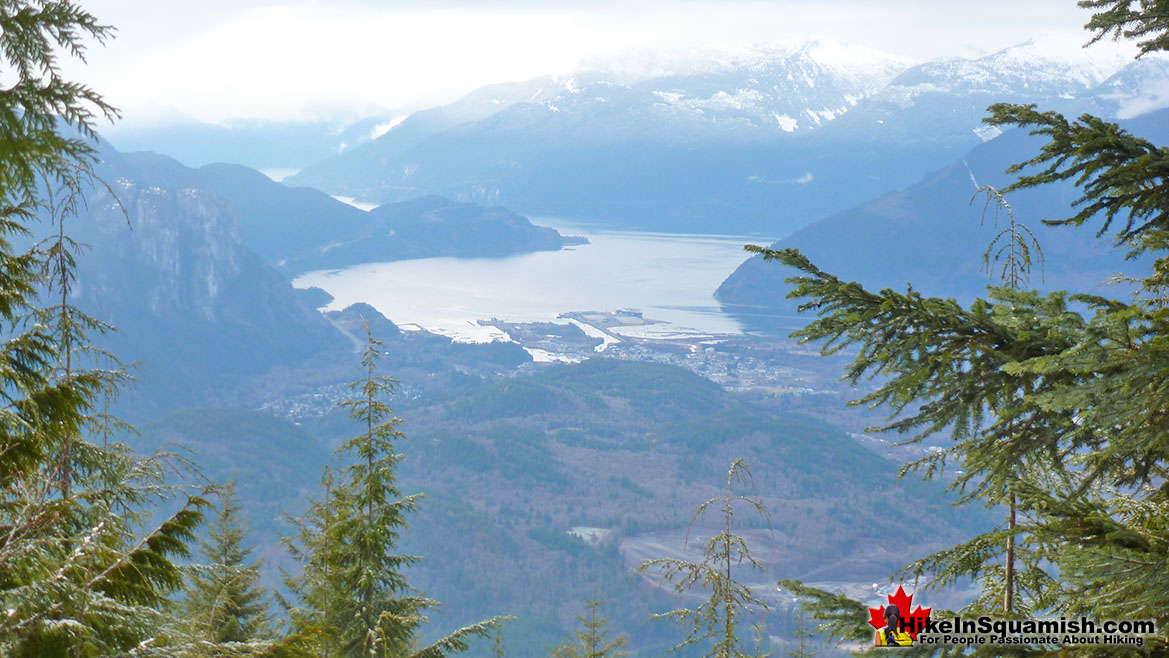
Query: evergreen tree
x=379 y=608
x=353 y=585
x=1013 y=246
x=592 y=640
x=225 y=603
x=718 y=617
x=83 y=574
x=1079 y=433
x=801 y=633
x=1147 y=21
x=33 y=110
x=317 y=547
x=498 y=650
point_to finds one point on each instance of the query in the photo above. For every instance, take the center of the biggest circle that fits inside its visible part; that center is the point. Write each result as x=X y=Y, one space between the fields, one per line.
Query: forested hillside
x=619 y=448
x=298 y=229
x=934 y=235
x=314 y=482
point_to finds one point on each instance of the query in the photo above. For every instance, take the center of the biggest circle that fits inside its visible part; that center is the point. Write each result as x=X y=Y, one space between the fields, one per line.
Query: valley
x=514 y=340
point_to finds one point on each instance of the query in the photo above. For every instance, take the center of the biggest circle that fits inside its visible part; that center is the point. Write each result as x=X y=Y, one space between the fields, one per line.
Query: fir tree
x=315 y=545
x=729 y=600
x=1148 y=22
x=1013 y=246
x=1081 y=398
x=592 y=640
x=498 y=650
x=801 y=633
x=225 y=603
x=33 y=145
x=378 y=610
x=83 y=572
x=353 y=585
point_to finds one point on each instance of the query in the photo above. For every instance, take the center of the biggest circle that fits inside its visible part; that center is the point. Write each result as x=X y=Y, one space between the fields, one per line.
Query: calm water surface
x=668 y=277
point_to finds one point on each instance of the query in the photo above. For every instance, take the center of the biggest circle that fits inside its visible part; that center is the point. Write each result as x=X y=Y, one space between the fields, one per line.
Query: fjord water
x=667 y=276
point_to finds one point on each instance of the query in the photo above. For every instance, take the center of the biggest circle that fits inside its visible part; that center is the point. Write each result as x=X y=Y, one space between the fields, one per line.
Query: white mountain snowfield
x=754 y=139
x=1139 y=88
x=800 y=85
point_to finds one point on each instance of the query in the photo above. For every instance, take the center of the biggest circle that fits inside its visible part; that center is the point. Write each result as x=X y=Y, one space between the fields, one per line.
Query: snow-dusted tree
x=83 y=574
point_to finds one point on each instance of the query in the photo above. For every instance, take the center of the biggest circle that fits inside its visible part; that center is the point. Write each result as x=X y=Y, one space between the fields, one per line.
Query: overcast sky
x=220 y=59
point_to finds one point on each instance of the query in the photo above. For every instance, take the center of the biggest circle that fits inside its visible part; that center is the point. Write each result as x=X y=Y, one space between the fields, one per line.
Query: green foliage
x=1130 y=19
x=32 y=145
x=801 y=633
x=843 y=619
x=224 y=602
x=943 y=367
x=1122 y=176
x=718 y=617
x=89 y=561
x=316 y=546
x=1059 y=411
x=592 y=638
x=79 y=579
x=352 y=584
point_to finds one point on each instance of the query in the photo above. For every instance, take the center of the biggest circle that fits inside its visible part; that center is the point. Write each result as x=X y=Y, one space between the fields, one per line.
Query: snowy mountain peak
x=1068 y=56
x=640 y=64
x=1140 y=87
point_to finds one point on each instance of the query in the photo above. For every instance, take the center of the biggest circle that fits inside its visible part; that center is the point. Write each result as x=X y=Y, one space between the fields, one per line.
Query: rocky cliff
x=167 y=267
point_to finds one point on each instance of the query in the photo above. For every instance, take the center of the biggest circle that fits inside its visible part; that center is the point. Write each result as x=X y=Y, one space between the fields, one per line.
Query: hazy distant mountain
x=280 y=146
x=945 y=100
x=168 y=268
x=600 y=144
x=1140 y=87
x=427 y=227
x=757 y=141
x=931 y=234
x=300 y=229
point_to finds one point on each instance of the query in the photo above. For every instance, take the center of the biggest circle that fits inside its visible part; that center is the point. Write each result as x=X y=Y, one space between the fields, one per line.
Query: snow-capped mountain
x=931 y=234
x=946 y=99
x=761 y=139
x=1139 y=88
x=786 y=87
x=774 y=88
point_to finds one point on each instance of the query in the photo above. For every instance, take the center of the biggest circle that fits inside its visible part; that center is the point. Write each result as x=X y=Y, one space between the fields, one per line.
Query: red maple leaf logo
x=914 y=621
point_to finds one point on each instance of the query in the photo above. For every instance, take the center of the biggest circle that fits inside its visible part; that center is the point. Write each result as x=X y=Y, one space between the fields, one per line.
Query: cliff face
x=298 y=229
x=167 y=267
x=167 y=252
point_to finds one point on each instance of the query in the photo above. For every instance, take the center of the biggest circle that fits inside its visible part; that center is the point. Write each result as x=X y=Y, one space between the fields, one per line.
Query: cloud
x=218 y=59
x=385 y=127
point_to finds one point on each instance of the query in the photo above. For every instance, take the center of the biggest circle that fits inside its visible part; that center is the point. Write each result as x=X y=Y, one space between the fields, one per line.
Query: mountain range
x=934 y=233
x=277 y=146
x=298 y=229
x=189 y=266
x=758 y=141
